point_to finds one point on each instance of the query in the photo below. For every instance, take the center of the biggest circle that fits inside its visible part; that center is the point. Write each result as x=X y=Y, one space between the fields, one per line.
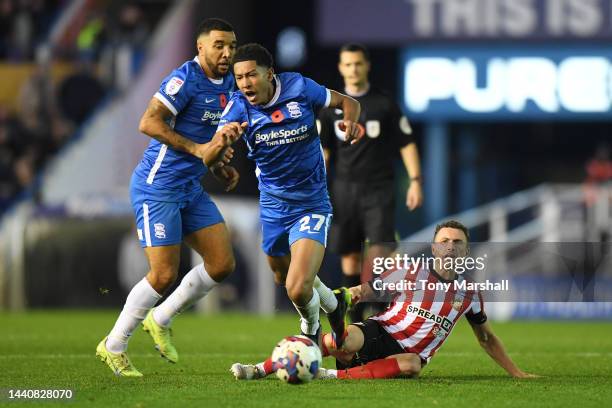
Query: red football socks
x=384 y=368
x=268 y=366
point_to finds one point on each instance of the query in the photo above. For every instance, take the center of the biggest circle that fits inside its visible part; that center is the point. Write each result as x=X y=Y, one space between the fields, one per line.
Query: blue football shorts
x=283 y=223
x=165 y=222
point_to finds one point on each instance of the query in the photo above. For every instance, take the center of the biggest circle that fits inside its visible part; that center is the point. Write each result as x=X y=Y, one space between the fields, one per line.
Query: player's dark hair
x=355 y=47
x=452 y=224
x=211 y=24
x=254 y=52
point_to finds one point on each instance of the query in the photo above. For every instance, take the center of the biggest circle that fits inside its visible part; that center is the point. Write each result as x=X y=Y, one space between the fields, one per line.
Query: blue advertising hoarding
x=397 y=22
x=507 y=83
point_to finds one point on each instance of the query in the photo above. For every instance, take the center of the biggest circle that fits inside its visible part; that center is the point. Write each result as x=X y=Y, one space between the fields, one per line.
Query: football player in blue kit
x=282 y=139
x=169 y=202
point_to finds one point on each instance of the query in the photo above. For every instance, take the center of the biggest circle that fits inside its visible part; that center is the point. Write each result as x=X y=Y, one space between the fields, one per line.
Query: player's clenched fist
x=353 y=132
x=218 y=150
x=230 y=133
x=227 y=175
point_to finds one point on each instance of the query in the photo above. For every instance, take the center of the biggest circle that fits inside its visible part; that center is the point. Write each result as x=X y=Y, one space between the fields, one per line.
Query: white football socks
x=309 y=314
x=328 y=301
x=194 y=286
x=141 y=299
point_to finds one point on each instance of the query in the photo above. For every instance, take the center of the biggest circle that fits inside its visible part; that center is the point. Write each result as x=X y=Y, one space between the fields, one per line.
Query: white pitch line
x=138 y=355
x=256 y=355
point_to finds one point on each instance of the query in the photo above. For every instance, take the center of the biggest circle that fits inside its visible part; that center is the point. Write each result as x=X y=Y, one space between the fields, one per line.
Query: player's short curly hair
x=211 y=24
x=254 y=52
x=452 y=224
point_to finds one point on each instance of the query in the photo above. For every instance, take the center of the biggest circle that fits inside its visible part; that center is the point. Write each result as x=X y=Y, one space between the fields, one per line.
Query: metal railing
x=551 y=212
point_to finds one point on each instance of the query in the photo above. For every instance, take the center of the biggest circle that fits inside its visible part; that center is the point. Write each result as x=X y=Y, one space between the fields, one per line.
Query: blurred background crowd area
x=59 y=60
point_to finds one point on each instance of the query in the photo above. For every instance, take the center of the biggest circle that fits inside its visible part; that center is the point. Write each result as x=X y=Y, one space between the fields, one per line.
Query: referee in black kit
x=363 y=190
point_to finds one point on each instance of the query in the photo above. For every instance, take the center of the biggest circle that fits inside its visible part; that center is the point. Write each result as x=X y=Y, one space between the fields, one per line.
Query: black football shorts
x=361 y=211
x=377 y=344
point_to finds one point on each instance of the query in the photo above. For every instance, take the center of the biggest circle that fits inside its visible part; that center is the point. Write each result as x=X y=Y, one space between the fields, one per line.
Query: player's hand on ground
x=523 y=374
x=414 y=196
x=353 y=132
x=227 y=175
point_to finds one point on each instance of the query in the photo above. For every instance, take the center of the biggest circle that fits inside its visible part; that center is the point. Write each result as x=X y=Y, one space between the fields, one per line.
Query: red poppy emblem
x=277 y=116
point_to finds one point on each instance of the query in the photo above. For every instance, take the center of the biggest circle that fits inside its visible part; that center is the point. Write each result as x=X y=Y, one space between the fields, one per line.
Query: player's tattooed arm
x=154 y=123
x=351 y=109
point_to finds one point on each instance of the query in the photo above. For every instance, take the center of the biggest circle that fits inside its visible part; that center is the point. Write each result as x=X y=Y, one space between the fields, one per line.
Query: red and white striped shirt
x=421 y=320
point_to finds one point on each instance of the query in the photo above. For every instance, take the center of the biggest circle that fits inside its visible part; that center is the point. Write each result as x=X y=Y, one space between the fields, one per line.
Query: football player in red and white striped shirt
x=402 y=339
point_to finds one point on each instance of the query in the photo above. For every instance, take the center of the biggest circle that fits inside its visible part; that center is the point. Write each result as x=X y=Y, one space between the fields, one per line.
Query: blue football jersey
x=197 y=103
x=282 y=138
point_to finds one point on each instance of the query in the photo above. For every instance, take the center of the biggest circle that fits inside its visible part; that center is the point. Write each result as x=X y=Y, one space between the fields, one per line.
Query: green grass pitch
x=44 y=350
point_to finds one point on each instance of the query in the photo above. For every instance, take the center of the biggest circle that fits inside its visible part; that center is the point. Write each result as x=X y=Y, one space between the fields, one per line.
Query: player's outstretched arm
x=351 y=109
x=495 y=349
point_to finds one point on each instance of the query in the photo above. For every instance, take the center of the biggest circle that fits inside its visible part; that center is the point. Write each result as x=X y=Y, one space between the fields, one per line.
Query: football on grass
x=297 y=359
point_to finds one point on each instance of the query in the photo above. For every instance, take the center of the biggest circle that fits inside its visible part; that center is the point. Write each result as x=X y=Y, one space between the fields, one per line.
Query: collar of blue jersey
x=213 y=80
x=276 y=93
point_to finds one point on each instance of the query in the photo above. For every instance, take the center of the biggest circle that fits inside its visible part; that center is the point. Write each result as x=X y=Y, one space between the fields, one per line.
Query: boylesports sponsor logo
x=282 y=136
x=213 y=116
x=444 y=323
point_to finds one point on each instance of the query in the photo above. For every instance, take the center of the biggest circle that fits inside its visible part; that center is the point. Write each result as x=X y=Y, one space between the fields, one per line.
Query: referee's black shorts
x=361 y=211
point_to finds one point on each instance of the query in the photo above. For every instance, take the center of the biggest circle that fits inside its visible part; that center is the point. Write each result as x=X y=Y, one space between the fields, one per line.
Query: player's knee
x=166 y=280
x=162 y=277
x=353 y=342
x=279 y=277
x=299 y=291
x=221 y=270
x=351 y=345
